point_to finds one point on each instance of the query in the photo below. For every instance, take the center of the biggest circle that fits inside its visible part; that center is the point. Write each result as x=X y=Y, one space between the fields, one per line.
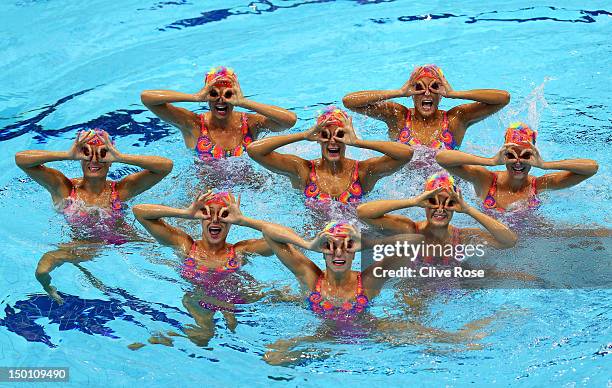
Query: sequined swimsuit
x=206 y=149
x=214 y=282
x=352 y=194
x=348 y=310
x=445 y=139
x=490 y=202
x=94 y=222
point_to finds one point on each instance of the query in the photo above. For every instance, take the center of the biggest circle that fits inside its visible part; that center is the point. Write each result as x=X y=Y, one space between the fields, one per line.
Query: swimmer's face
x=214 y=230
x=331 y=149
x=220 y=92
x=439 y=215
x=94 y=168
x=516 y=166
x=427 y=103
x=337 y=257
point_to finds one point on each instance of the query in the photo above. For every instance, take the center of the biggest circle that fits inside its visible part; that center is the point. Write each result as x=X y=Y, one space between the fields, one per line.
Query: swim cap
x=98 y=133
x=335 y=114
x=431 y=71
x=519 y=132
x=440 y=179
x=337 y=229
x=220 y=71
x=219 y=198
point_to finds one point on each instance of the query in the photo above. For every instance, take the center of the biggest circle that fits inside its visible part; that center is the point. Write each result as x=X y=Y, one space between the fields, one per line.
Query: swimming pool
x=68 y=65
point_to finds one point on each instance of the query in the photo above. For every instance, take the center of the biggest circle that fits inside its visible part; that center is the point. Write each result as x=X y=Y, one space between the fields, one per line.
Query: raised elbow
x=139 y=211
x=347 y=101
x=505 y=97
x=594 y=167
x=21 y=159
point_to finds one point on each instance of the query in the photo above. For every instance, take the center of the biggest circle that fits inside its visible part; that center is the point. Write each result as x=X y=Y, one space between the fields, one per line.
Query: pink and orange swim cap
x=219 y=198
x=440 y=179
x=520 y=133
x=335 y=115
x=430 y=70
x=221 y=71
x=98 y=133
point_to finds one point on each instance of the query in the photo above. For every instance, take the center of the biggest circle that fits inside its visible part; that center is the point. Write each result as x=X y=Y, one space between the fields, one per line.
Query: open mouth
x=518 y=168
x=94 y=168
x=214 y=230
x=427 y=104
x=333 y=150
x=338 y=262
x=439 y=215
x=221 y=108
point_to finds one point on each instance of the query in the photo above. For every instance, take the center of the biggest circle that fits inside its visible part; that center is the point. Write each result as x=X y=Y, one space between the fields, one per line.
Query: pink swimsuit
x=95 y=222
x=206 y=149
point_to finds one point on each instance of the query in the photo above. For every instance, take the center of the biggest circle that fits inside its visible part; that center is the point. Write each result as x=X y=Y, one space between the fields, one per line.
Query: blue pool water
x=68 y=65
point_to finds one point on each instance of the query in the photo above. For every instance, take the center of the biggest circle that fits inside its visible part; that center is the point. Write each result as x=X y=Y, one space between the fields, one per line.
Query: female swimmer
x=440 y=200
x=92 y=205
x=333 y=176
x=222 y=132
x=503 y=190
x=211 y=263
x=426 y=124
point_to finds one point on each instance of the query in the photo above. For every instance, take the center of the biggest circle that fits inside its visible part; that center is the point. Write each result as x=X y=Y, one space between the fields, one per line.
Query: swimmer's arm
x=396 y=156
x=499 y=235
x=269 y=117
x=488 y=101
x=375 y=214
x=373 y=103
x=576 y=171
x=32 y=163
x=263 y=152
x=159 y=102
x=155 y=169
x=256 y=246
x=467 y=166
x=150 y=216
x=303 y=268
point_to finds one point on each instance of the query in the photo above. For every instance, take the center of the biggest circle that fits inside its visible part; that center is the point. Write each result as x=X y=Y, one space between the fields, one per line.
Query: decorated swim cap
x=440 y=179
x=219 y=198
x=335 y=114
x=337 y=229
x=98 y=133
x=519 y=132
x=431 y=71
x=220 y=71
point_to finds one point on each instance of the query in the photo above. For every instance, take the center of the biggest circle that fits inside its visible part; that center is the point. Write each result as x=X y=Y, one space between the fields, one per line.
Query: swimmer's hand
x=318 y=132
x=455 y=202
x=231 y=212
x=198 y=210
x=532 y=157
x=108 y=153
x=441 y=87
x=426 y=199
x=52 y=291
x=80 y=150
x=352 y=243
x=409 y=88
x=346 y=133
x=318 y=243
x=204 y=95
x=505 y=155
x=237 y=97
